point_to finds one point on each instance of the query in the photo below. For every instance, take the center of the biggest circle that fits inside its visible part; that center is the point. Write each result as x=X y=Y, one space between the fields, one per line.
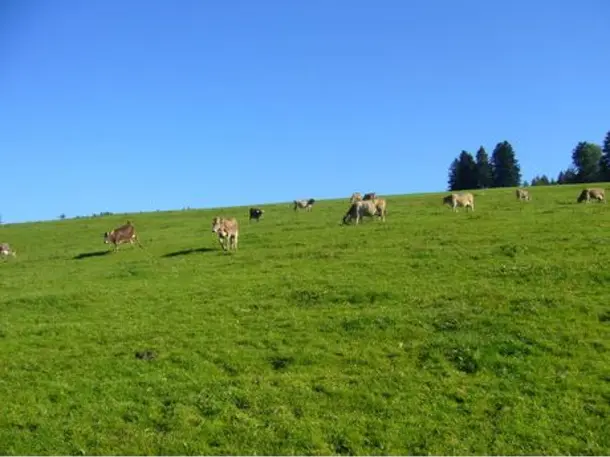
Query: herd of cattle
x=227 y=229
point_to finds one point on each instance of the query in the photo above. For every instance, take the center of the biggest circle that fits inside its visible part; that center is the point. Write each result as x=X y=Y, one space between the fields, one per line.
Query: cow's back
x=231 y=226
x=124 y=232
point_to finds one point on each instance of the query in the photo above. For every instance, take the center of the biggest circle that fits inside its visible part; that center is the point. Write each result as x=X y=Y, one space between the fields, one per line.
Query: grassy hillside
x=440 y=333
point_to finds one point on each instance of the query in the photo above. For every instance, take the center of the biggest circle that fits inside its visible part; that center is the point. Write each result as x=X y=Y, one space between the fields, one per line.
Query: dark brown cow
x=369 y=196
x=123 y=234
x=256 y=213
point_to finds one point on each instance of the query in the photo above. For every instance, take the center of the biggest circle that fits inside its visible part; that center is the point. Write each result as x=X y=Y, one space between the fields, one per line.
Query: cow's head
x=448 y=199
x=216 y=224
x=107 y=237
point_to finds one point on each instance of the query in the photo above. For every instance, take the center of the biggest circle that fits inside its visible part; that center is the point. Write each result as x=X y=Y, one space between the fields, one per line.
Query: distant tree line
x=590 y=163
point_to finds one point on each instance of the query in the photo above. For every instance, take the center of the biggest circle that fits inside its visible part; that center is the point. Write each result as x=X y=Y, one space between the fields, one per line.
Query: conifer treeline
x=590 y=163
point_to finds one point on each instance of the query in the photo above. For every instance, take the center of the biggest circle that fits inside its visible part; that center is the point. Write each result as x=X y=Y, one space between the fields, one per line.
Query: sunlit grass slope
x=436 y=332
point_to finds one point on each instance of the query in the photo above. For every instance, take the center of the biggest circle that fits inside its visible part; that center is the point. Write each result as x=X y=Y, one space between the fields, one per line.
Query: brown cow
x=463 y=199
x=123 y=234
x=592 y=193
x=5 y=250
x=523 y=194
x=227 y=230
x=356 y=197
x=370 y=208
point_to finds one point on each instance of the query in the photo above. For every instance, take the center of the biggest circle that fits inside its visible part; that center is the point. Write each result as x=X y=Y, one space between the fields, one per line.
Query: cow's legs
x=222 y=245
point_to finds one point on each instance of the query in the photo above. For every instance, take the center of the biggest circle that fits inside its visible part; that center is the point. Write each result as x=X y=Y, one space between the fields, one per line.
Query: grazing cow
x=307 y=204
x=5 y=250
x=592 y=193
x=356 y=197
x=370 y=208
x=256 y=213
x=123 y=234
x=455 y=200
x=227 y=230
x=523 y=194
x=369 y=196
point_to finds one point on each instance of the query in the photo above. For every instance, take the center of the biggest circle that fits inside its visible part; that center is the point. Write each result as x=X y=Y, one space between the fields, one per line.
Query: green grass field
x=434 y=333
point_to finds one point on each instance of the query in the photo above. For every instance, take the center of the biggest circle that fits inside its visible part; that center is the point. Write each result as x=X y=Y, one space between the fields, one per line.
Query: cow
x=370 y=208
x=455 y=200
x=307 y=204
x=592 y=193
x=256 y=213
x=369 y=196
x=356 y=197
x=123 y=234
x=5 y=250
x=523 y=194
x=227 y=230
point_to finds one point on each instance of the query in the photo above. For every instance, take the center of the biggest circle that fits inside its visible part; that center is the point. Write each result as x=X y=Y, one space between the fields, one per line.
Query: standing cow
x=227 y=230
x=123 y=234
x=256 y=213
x=594 y=193
x=370 y=208
x=307 y=204
x=5 y=250
x=523 y=194
x=465 y=199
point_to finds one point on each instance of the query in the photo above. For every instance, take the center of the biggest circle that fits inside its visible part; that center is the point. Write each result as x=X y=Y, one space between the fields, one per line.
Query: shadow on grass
x=86 y=255
x=187 y=252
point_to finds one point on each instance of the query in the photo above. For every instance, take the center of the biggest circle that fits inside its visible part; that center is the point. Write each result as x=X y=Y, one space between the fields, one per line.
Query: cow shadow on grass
x=86 y=255
x=187 y=252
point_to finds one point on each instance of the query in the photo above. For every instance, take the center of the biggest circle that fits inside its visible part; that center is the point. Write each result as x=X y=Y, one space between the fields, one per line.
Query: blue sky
x=133 y=105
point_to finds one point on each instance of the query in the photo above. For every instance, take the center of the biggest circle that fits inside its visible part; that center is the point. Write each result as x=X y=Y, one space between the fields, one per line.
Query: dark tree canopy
x=567 y=176
x=484 y=174
x=541 y=181
x=505 y=167
x=463 y=172
x=586 y=158
x=604 y=162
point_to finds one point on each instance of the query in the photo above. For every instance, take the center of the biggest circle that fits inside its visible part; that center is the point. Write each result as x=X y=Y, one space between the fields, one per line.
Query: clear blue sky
x=133 y=105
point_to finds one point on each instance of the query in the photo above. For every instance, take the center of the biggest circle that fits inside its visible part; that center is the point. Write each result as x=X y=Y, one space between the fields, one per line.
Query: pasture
x=434 y=333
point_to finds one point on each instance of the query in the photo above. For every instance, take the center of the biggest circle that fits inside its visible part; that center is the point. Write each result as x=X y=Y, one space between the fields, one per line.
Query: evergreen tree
x=541 y=180
x=567 y=176
x=484 y=175
x=586 y=158
x=506 y=170
x=463 y=172
x=604 y=162
x=452 y=181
